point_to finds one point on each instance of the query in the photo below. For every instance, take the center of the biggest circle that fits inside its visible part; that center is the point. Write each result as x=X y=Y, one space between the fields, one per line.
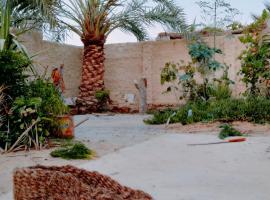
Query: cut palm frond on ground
x=75 y=150
x=228 y=131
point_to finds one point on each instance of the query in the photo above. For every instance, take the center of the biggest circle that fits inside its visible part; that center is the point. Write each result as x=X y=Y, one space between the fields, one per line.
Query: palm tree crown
x=94 y=20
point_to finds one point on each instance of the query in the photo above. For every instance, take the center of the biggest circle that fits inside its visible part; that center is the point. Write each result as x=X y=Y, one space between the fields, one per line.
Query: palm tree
x=94 y=20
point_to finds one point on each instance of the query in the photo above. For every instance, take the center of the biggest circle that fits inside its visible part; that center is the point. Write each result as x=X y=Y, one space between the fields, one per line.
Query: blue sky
x=192 y=11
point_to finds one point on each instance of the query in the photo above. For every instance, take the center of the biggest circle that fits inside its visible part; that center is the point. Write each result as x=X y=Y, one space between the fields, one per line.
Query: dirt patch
x=213 y=128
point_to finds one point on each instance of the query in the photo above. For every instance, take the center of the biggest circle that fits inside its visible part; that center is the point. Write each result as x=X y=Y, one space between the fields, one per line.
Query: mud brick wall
x=127 y=62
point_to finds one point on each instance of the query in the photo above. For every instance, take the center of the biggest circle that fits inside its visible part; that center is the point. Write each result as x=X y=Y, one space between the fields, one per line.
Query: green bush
x=73 y=151
x=41 y=102
x=251 y=109
x=52 y=103
x=13 y=68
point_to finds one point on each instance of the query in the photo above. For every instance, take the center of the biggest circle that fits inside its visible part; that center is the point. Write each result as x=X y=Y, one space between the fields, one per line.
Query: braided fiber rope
x=69 y=183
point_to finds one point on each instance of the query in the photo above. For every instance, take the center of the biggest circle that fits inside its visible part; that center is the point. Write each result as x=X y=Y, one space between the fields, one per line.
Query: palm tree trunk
x=92 y=79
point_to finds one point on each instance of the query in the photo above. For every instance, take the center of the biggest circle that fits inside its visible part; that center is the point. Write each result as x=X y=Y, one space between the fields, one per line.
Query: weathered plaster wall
x=128 y=62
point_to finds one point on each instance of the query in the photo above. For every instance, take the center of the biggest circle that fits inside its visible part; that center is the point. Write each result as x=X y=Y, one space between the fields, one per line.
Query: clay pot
x=66 y=126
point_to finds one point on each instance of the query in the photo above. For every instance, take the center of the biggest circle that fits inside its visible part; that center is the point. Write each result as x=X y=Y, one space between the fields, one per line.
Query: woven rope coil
x=69 y=183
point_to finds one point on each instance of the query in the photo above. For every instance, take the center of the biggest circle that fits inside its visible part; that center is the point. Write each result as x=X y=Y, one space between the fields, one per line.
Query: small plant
x=228 y=131
x=103 y=97
x=73 y=151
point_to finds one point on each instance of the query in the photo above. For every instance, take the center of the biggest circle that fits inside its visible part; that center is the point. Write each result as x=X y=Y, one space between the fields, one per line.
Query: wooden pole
x=142 y=87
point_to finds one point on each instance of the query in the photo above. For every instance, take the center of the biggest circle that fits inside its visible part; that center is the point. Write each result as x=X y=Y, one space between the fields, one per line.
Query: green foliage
x=220 y=91
x=41 y=102
x=13 y=67
x=21 y=116
x=255 y=58
x=169 y=73
x=50 y=96
x=181 y=80
x=129 y=16
x=181 y=77
x=228 y=131
x=8 y=40
x=251 y=109
x=204 y=55
x=103 y=95
x=73 y=151
x=103 y=98
x=259 y=24
x=42 y=15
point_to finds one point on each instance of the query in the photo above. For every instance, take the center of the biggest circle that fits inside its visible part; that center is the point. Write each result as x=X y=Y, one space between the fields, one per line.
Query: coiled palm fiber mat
x=69 y=183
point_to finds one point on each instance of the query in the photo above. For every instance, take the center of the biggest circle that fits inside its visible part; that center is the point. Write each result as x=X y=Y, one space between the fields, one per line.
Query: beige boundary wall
x=128 y=62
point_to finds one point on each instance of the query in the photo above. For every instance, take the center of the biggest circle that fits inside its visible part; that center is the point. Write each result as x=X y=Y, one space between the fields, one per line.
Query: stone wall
x=128 y=62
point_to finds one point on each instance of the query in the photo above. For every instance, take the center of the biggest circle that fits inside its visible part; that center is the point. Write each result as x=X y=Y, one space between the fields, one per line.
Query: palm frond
x=96 y=19
x=42 y=14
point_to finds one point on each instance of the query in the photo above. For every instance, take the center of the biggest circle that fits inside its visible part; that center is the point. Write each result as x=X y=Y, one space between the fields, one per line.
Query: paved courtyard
x=168 y=168
x=163 y=163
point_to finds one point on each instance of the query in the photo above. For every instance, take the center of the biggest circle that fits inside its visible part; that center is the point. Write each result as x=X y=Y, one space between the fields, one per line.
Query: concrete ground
x=162 y=163
x=103 y=133
x=108 y=133
x=169 y=169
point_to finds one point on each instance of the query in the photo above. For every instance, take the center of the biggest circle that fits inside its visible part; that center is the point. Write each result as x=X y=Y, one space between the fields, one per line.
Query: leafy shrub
x=204 y=55
x=42 y=102
x=255 y=58
x=228 y=131
x=251 y=109
x=73 y=151
x=182 y=77
x=13 y=67
x=52 y=103
x=23 y=113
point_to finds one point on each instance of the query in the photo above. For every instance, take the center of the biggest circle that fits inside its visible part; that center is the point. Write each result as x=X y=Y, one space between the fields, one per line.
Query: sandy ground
x=108 y=135
x=213 y=128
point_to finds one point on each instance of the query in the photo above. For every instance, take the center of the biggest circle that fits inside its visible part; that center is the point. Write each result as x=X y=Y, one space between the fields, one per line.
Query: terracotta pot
x=66 y=124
